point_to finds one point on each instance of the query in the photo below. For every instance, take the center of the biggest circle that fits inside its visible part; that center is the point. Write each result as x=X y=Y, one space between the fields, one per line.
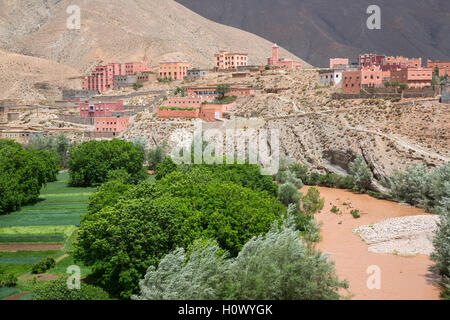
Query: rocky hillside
x=317 y=29
x=326 y=133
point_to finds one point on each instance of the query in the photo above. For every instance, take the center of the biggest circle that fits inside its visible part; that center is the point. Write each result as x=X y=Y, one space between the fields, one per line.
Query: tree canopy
x=91 y=162
x=23 y=173
x=136 y=230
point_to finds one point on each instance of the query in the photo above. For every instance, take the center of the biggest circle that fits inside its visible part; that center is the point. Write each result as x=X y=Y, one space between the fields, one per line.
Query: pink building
x=413 y=77
x=338 y=61
x=353 y=81
x=102 y=78
x=191 y=101
x=100 y=109
x=225 y=60
x=277 y=62
x=371 y=76
x=111 y=125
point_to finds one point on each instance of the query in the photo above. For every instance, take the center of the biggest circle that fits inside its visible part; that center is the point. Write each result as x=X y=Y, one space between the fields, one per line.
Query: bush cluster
x=58 y=290
x=43 y=265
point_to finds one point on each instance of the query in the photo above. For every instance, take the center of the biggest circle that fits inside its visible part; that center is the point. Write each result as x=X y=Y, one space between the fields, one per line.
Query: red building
x=111 y=125
x=371 y=60
x=100 y=109
x=351 y=82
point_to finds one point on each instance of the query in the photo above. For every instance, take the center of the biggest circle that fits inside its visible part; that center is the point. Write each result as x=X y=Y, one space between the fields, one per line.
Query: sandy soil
x=402 y=278
x=30 y=247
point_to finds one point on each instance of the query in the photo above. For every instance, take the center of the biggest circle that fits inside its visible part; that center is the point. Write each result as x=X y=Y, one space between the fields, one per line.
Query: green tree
x=223 y=89
x=276 y=266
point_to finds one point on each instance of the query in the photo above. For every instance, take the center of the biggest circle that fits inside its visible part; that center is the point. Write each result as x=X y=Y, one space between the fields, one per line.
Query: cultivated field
x=43 y=230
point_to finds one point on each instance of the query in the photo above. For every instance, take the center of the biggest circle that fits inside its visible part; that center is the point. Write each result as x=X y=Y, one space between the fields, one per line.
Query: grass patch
x=6 y=292
x=61 y=267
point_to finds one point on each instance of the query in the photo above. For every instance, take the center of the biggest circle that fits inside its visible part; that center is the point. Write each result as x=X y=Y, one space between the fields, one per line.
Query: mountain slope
x=121 y=30
x=318 y=29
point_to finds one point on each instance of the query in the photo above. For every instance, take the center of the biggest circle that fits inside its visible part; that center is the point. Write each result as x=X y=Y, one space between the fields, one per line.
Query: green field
x=54 y=219
x=59 y=205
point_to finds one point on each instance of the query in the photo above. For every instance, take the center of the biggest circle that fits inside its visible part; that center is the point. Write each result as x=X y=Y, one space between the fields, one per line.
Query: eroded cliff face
x=325 y=133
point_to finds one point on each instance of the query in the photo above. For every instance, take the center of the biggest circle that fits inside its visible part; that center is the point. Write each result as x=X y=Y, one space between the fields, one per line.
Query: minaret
x=275 y=56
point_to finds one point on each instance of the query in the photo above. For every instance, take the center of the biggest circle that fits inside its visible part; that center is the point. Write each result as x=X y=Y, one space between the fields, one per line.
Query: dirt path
x=30 y=247
x=402 y=278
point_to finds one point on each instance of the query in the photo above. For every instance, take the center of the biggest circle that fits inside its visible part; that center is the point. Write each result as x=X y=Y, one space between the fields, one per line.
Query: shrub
x=43 y=265
x=441 y=244
x=410 y=185
x=7 y=279
x=91 y=162
x=276 y=266
x=361 y=173
x=289 y=194
x=355 y=214
x=58 y=290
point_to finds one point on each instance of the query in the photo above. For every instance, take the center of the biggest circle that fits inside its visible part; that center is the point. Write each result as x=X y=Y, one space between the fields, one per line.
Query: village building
x=371 y=60
x=111 y=125
x=351 y=82
x=173 y=70
x=277 y=62
x=325 y=78
x=403 y=62
x=197 y=73
x=124 y=81
x=330 y=77
x=334 y=62
x=442 y=66
x=210 y=91
x=225 y=60
x=20 y=135
x=5 y=107
x=100 y=109
x=413 y=77
x=102 y=78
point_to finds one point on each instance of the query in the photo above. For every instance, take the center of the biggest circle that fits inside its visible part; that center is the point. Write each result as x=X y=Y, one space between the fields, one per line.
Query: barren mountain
x=120 y=30
x=29 y=79
x=318 y=29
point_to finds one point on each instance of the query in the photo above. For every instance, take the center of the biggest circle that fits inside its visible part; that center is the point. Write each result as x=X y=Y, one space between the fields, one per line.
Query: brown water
x=402 y=278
